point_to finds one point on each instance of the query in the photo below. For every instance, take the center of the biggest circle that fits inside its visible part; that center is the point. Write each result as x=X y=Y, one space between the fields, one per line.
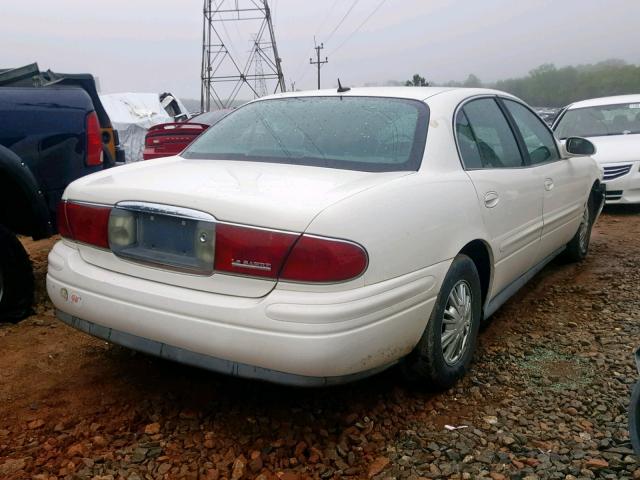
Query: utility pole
x=318 y=62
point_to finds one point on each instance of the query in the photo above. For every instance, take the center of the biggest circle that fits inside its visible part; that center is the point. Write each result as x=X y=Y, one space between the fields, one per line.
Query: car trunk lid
x=272 y=196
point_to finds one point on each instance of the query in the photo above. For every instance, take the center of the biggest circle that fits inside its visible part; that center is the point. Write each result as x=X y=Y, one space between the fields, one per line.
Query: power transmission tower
x=318 y=62
x=260 y=82
x=223 y=75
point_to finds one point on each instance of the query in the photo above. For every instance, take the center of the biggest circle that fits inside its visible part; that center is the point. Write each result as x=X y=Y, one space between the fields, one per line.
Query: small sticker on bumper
x=70 y=297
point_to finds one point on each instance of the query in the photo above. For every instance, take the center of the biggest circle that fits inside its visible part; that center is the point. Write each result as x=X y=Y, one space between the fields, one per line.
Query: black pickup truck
x=49 y=136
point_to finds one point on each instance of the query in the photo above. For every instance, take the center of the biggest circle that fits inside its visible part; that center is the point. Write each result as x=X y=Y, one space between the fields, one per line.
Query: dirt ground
x=546 y=397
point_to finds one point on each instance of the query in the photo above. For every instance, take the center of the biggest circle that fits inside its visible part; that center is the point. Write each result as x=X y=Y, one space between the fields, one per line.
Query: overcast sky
x=152 y=46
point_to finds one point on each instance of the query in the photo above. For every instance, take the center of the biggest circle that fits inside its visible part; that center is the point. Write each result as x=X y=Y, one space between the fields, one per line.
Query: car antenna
x=342 y=89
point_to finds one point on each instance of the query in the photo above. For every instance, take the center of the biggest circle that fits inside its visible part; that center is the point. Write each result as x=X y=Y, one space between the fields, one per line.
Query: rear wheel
x=16 y=278
x=446 y=348
x=578 y=247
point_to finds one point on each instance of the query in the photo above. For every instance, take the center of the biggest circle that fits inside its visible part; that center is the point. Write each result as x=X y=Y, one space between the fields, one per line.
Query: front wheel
x=16 y=278
x=578 y=247
x=445 y=351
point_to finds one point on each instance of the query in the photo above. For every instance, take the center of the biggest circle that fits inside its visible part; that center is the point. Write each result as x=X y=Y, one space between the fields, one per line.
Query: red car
x=167 y=139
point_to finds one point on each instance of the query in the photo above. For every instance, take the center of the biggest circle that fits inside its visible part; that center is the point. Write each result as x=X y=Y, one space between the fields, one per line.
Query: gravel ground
x=546 y=398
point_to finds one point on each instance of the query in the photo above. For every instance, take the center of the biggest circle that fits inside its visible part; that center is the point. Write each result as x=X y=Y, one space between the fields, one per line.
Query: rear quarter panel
x=407 y=224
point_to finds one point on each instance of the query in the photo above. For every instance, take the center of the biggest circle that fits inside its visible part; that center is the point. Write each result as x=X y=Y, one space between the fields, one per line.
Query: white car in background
x=612 y=124
x=316 y=238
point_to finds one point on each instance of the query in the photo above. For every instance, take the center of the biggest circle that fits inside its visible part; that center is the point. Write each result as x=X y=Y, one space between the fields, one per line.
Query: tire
x=634 y=418
x=16 y=278
x=431 y=366
x=578 y=247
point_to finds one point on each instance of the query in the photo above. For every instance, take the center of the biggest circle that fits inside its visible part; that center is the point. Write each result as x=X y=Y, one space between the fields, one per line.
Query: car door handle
x=548 y=184
x=491 y=199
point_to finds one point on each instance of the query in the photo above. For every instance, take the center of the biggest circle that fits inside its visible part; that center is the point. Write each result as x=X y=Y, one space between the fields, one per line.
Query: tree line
x=550 y=86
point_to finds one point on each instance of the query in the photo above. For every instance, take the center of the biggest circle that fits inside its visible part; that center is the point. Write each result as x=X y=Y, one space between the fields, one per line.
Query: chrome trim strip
x=254 y=227
x=91 y=204
x=162 y=209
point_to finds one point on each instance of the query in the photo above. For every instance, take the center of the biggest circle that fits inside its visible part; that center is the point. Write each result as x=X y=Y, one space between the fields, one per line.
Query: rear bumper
x=291 y=337
x=207 y=362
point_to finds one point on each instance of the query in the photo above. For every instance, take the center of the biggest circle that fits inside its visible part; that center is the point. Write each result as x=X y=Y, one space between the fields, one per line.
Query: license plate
x=166 y=240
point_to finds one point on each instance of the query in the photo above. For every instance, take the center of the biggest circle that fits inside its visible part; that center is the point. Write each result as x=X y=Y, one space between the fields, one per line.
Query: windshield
x=620 y=119
x=356 y=133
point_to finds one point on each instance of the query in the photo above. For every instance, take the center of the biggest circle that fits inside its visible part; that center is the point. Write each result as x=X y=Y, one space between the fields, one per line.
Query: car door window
x=494 y=141
x=467 y=144
x=537 y=138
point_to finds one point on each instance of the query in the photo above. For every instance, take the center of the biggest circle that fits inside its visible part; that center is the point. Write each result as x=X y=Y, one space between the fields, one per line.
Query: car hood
x=617 y=148
x=269 y=195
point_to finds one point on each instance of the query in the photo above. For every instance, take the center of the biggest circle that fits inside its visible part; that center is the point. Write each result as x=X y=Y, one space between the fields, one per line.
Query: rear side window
x=493 y=138
x=467 y=142
x=356 y=133
x=537 y=137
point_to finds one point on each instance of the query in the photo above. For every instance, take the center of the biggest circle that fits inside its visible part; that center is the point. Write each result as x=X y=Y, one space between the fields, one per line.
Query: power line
x=375 y=10
x=335 y=29
x=326 y=17
x=353 y=5
x=299 y=70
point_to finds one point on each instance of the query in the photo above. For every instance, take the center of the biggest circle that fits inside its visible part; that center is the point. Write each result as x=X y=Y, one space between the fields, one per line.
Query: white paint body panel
x=412 y=225
x=619 y=150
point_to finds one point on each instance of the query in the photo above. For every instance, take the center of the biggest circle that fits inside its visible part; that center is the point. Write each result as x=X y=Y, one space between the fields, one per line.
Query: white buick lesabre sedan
x=612 y=124
x=314 y=238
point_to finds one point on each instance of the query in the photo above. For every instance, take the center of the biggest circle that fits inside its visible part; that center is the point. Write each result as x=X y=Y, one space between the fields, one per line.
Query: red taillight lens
x=288 y=256
x=317 y=259
x=251 y=251
x=61 y=220
x=94 y=141
x=84 y=223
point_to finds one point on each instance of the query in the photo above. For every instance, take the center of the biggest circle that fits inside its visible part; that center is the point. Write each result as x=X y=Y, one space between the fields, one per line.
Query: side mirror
x=579 y=147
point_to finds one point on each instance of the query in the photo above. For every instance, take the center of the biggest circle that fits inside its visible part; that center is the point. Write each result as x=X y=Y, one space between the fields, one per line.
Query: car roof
x=597 y=102
x=412 y=93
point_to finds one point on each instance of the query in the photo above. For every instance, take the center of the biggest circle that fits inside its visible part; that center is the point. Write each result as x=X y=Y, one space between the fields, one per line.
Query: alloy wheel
x=456 y=323
x=583 y=236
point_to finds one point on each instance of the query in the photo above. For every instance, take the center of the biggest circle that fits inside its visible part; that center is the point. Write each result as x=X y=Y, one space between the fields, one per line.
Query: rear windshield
x=210 y=118
x=355 y=133
x=620 y=119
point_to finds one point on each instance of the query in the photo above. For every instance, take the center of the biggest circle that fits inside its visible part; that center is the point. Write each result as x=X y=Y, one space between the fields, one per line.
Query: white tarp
x=131 y=115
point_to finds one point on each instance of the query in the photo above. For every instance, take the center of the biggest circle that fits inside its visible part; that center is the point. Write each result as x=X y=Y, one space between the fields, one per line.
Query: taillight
x=251 y=251
x=84 y=223
x=61 y=220
x=319 y=259
x=287 y=256
x=239 y=250
x=94 y=141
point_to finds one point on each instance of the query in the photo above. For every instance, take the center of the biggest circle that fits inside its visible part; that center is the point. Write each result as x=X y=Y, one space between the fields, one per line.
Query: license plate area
x=162 y=236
